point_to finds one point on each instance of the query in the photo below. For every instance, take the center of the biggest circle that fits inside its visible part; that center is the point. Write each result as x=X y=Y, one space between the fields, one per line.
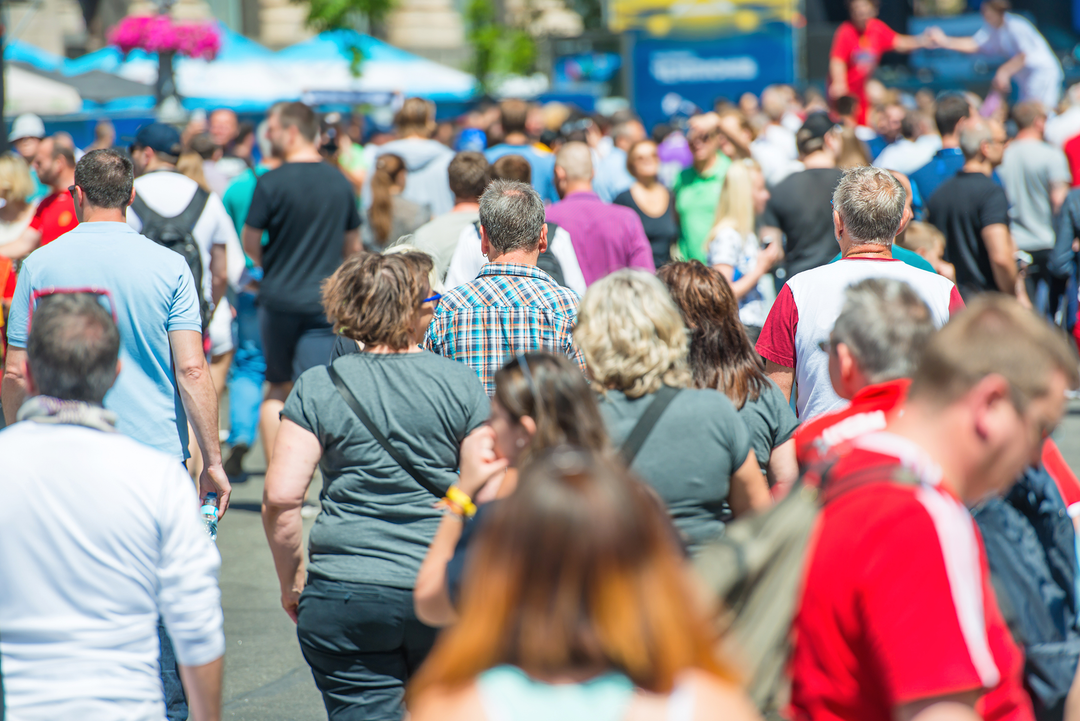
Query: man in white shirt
x=97 y=542
x=914 y=149
x=868 y=213
x=1029 y=59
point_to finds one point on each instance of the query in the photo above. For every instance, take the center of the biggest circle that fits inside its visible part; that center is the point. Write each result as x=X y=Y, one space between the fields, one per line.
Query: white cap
x=26 y=125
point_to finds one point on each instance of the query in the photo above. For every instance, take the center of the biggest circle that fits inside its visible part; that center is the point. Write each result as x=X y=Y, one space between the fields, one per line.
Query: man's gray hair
x=871 y=203
x=512 y=214
x=974 y=133
x=73 y=348
x=885 y=324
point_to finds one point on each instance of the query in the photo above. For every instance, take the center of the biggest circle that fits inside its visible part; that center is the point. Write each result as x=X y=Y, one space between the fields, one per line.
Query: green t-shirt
x=377 y=522
x=689 y=457
x=770 y=421
x=237 y=201
x=696 y=198
x=909 y=257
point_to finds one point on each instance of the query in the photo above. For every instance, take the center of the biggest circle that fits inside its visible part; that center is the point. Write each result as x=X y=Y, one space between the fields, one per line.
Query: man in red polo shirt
x=55 y=215
x=898 y=619
x=857 y=48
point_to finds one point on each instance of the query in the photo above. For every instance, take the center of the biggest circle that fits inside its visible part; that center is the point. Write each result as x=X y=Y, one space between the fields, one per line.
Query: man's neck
x=271 y=163
x=979 y=165
x=303 y=154
x=703 y=166
x=934 y=431
x=63 y=182
x=516 y=138
x=578 y=186
x=104 y=215
x=157 y=164
x=819 y=159
x=950 y=141
x=519 y=257
x=1028 y=134
x=866 y=250
x=466 y=206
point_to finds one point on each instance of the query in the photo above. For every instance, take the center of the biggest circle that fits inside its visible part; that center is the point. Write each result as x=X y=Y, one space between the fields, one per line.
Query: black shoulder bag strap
x=143 y=212
x=354 y=405
x=191 y=214
x=646 y=423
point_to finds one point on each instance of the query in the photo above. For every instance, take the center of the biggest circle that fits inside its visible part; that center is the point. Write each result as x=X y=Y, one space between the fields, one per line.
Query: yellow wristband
x=460 y=498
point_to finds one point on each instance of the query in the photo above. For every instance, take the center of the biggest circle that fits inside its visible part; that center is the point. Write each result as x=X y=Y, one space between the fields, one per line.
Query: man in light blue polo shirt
x=151 y=292
x=514 y=116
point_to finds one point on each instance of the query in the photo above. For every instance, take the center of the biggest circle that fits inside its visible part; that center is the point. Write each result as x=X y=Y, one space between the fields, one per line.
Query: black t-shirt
x=662 y=232
x=800 y=207
x=960 y=208
x=306 y=209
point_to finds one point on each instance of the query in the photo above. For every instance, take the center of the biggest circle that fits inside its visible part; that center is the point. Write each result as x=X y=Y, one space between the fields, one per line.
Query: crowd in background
x=552 y=366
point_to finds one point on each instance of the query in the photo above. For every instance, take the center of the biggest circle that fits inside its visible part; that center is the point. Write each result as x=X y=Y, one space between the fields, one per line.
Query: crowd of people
x=548 y=368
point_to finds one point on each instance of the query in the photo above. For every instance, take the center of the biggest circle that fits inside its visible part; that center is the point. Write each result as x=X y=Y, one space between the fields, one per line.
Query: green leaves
x=497 y=50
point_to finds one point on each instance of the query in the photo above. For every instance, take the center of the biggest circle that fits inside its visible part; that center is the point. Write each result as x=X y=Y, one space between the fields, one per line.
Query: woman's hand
x=290 y=600
x=769 y=256
x=479 y=464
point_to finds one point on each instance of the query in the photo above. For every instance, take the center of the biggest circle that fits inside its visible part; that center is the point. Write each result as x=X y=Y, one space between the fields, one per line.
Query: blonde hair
x=736 y=207
x=404 y=245
x=632 y=334
x=16 y=185
x=191 y=165
x=922 y=236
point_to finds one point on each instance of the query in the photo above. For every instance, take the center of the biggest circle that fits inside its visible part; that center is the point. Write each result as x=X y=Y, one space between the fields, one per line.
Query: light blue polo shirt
x=152 y=292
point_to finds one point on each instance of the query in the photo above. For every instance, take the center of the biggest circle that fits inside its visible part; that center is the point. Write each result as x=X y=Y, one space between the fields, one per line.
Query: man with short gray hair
x=868 y=213
x=512 y=306
x=873 y=349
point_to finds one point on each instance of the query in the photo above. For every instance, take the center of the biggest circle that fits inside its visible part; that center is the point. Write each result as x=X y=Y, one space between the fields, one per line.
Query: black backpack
x=176 y=234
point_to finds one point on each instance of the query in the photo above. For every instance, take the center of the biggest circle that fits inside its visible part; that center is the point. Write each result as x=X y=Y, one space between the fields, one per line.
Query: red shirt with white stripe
x=897 y=604
x=807 y=308
x=870 y=410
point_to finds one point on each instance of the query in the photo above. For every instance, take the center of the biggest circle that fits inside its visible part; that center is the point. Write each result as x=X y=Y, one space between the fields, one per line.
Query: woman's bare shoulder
x=439 y=704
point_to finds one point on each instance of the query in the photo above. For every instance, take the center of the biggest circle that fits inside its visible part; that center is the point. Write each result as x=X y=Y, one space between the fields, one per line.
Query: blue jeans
x=363 y=642
x=176 y=707
x=247 y=374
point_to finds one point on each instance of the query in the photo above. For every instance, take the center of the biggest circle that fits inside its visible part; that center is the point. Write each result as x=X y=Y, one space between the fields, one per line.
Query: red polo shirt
x=869 y=411
x=54 y=216
x=861 y=52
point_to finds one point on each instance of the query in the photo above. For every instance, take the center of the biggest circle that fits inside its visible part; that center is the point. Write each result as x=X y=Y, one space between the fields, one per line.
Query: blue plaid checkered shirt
x=508 y=309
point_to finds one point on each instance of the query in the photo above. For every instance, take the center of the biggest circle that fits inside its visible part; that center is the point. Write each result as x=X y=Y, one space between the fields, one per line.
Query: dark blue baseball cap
x=160 y=138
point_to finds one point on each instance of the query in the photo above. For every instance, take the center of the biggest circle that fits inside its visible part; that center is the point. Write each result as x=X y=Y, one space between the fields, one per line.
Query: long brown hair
x=721 y=356
x=578 y=570
x=381 y=212
x=555 y=395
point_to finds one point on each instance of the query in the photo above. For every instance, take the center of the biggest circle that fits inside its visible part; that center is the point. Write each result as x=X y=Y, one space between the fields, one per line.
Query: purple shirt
x=606 y=237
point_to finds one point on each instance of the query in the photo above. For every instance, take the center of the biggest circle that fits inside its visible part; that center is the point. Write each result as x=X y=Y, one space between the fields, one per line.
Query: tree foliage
x=497 y=49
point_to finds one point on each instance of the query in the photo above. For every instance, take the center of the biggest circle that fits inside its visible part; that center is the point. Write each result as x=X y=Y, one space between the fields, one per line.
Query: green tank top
x=509 y=694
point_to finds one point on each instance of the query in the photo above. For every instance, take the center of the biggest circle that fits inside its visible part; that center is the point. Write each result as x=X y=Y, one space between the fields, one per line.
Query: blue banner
x=674 y=76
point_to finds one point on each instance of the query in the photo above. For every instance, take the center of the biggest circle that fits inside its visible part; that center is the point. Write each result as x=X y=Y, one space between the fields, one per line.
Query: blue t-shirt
x=152 y=293
x=542 y=164
x=945 y=164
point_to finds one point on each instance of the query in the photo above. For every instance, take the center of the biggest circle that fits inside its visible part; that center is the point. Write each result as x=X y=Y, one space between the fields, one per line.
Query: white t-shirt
x=168 y=194
x=97 y=542
x=467 y=260
x=806 y=310
x=906 y=156
x=1041 y=76
x=730 y=248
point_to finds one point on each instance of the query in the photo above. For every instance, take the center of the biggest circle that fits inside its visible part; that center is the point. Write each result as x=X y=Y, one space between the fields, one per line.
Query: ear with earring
x=520 y=442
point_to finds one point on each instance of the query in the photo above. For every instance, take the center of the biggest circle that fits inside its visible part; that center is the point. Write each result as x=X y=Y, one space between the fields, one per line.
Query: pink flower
x=160 y=33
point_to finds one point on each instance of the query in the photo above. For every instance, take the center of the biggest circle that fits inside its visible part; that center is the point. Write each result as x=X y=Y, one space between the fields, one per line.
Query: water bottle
x=209 y=515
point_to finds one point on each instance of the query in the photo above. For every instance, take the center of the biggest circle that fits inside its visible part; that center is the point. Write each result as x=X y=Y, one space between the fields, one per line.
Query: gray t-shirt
x=376 y=521
x=689 y=457
x=770 y=421
x=1027 y=170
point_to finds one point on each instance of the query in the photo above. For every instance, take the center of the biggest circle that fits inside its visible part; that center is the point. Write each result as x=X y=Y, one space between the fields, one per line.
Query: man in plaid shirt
x=512 y=306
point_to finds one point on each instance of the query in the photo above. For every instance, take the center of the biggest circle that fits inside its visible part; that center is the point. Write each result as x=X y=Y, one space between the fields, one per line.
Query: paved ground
x=266 y=678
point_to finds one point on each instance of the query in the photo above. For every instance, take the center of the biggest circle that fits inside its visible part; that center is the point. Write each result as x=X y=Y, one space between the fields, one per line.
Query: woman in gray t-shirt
x=698 y=455
x=722 y=358
x=353 y=603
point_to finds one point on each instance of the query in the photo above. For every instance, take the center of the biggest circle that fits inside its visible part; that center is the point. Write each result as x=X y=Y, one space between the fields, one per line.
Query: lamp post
x=169 y=109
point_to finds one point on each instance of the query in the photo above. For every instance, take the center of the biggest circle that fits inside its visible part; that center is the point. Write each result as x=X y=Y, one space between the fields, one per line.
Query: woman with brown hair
x=722 y=358
x=541 y=401
x=577 y=605
x=391 y=216
x=357 y=421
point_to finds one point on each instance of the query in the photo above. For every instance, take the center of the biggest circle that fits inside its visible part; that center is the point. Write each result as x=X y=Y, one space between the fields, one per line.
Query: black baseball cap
x=816 y=127
x=160 y=138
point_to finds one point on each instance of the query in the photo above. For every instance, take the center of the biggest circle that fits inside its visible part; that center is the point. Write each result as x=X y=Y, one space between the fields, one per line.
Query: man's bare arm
x=252 y=240
x=219 y=273
x=352 y=244
x=14 y=388
x=201 y=405
x=952 y=707
x=1000 y=248
x=24 y=245
x=203 y=687
x=781 y=376
x=1058 y=192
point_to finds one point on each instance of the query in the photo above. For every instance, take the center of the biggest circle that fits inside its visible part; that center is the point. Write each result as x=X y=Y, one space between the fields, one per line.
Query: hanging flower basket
x=161 y=34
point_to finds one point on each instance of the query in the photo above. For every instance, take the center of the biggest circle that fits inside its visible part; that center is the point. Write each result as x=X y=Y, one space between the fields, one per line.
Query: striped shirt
x=508 y=309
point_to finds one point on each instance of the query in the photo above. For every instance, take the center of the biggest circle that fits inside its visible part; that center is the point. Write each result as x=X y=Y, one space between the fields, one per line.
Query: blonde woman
x=16 y=186
x=697 y=455
x=735 y=250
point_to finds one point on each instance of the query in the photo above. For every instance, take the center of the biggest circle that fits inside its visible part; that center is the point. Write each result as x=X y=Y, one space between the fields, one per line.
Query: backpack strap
x=831 y=488
x=633 y=443
x=191 y=214
x=143 y=212
x=358 y=410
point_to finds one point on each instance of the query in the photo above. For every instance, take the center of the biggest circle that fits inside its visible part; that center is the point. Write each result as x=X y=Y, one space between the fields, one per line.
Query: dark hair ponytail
x=381 y=212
